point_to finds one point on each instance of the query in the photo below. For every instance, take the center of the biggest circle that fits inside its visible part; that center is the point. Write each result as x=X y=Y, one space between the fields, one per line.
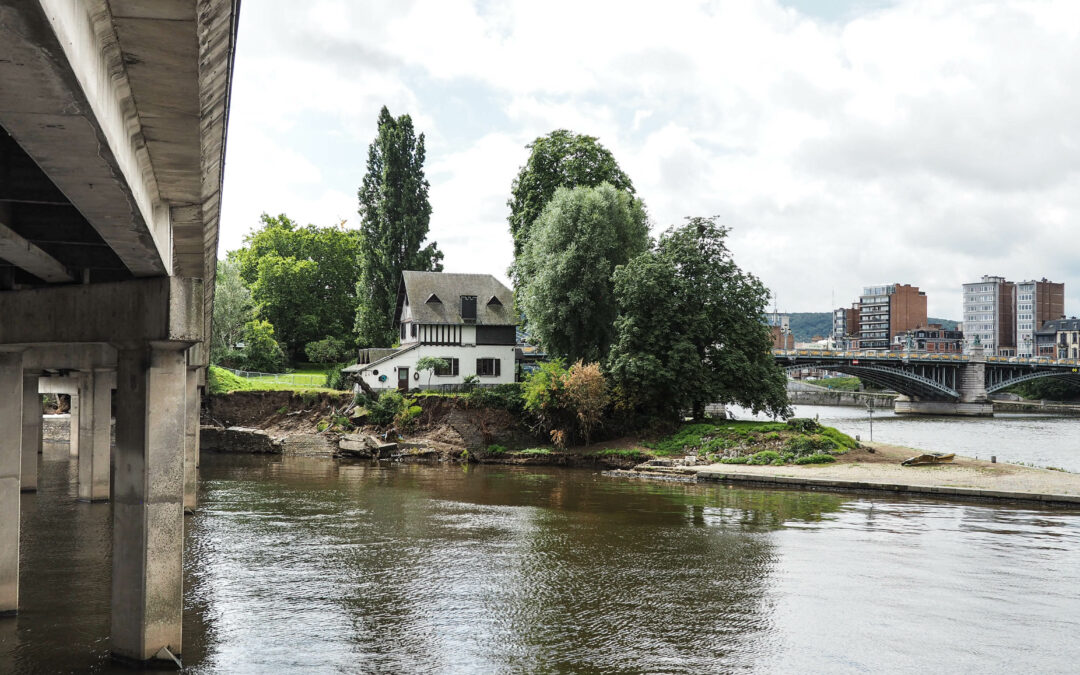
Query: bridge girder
x=1012 y=379
x=898 y=379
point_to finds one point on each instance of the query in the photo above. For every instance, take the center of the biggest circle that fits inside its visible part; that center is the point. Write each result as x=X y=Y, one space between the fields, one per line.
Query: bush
x=495 y=449
x=735 y=460
x=385 y=408
x=469 y=383
x=261 y=350
x=764 y=457
x=502 y=396
x=327 y=350
x=817 y=458
x=803 y=425
x=335 y=379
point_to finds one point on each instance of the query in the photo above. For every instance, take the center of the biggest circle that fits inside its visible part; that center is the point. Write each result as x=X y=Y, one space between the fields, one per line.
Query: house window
x=402 y=331
x=488 y=367
x=468 y=308
x=451 y=368
x=413 y=331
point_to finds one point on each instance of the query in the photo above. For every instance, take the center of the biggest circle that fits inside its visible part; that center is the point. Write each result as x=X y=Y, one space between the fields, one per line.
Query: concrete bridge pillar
x=148 y=501
x=191 y=440
x=31 y=430
x=95 y=434
x=73 y=426
x=11 y=425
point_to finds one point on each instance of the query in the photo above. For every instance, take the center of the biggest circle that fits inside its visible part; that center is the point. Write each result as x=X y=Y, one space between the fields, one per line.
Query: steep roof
x=448 y=287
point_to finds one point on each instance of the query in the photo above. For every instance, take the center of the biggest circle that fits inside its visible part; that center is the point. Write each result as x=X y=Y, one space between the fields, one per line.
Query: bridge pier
x=148 y=505
x=95 y=434
x=905 y=406
x=31 y=431
x=11 y=422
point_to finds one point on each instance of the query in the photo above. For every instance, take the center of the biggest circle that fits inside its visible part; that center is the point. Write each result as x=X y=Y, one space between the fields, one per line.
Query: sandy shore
x=880 y=469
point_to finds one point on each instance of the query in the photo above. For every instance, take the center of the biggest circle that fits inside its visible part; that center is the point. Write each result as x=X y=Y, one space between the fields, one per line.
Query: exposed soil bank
x=880 y=470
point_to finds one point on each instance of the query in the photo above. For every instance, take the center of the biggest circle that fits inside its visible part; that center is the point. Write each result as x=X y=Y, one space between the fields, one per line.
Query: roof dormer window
x=494 y=301
x=433 y=299
x=468 y=308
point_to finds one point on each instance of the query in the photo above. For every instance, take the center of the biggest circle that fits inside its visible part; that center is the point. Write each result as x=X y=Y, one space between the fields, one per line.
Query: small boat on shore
x=929 y=458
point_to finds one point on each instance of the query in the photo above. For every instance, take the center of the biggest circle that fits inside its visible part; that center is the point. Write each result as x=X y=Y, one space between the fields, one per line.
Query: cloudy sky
x=844 y=142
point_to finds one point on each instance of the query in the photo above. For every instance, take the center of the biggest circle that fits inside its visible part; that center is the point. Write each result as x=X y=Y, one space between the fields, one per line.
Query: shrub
x=587 y=395
x=385 y=408
x=817 y=458
x=327 y=350
x=469 y=382
x=502 y=396
x=335 y=379
x=627 y=453
x=406 y=417
x=735 y=460
x=764 y=457
x=803 y=425
x=261 y=350
x=495 y=449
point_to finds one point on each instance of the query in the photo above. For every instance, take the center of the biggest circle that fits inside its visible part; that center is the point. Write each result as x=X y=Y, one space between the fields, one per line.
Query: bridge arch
x=1014 y=379
x=897 y=379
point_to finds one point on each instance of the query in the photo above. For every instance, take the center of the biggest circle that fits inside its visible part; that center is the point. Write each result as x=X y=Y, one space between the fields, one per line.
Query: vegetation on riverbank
x=797 y=441
x=222 y=381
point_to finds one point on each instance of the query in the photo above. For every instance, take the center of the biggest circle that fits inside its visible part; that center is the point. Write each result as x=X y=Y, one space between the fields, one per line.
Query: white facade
x=982 y=313
x=387 y=373
x=465 y=319
x=1026 y=292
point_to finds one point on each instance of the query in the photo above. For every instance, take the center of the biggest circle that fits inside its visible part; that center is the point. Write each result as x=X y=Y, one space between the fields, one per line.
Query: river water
x=304 y=564
x=1036 y=440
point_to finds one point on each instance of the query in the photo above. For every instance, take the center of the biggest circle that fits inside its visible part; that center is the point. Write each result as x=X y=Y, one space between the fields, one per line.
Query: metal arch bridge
x=929 y=376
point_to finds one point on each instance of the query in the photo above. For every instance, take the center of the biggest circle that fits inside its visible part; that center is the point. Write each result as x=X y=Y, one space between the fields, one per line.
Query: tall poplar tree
x=394 y=218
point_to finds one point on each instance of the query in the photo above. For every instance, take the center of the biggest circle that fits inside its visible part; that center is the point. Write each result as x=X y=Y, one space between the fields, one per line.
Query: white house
x=466 y=319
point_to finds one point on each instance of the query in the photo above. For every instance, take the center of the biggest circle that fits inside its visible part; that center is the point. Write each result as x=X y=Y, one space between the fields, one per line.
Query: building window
x=488 y=367
x=413 y=330
x=402 y=331
x=451 y=368
x=468 y=308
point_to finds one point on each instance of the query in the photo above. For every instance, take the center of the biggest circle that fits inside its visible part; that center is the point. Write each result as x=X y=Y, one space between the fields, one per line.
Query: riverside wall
x=806 y=396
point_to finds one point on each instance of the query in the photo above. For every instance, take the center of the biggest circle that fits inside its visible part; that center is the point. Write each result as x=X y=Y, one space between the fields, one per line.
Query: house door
x=403 y=379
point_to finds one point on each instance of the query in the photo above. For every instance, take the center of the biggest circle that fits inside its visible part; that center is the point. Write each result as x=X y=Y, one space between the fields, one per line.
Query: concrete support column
x=95 y=435
x=31 y=431
x=191 y=440
x=11 y=424
x=73 y=433
x=148 y=502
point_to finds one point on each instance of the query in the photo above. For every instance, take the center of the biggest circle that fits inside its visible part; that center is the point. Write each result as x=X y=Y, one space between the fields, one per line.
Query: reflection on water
x=1038 y=440
x=302 y=563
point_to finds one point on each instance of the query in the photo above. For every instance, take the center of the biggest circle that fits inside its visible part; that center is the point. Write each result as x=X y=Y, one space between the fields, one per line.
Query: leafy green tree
x=690 y=329
x=327 y=350
x=579 y=239
x=262 y=352
x=430 y=364
x=560 y=159
x=232 y=309
x=302 y=279
x=394 y=218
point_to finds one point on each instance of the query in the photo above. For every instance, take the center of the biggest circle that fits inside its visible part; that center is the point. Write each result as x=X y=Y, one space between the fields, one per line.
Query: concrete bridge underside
x=112 y=135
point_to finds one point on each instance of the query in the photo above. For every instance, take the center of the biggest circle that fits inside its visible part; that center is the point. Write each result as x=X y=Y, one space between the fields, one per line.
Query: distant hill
x=806 y=325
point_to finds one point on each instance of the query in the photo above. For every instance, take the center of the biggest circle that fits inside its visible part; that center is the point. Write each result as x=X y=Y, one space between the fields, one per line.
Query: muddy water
x=299 y=564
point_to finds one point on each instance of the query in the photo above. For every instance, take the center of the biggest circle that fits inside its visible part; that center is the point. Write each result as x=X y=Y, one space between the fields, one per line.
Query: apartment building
x=1036 y=303
x=1059 y=339
x=990 y=315
x=780 y=327
x=932 y=338
x=845 y=326
x=885 y=311
x=1005 y=316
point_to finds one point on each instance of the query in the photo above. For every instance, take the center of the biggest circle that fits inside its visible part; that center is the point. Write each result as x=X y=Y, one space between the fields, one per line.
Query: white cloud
x=924 y=143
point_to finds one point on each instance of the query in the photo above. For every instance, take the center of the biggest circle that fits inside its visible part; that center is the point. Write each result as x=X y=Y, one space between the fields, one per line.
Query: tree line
x=669 y=323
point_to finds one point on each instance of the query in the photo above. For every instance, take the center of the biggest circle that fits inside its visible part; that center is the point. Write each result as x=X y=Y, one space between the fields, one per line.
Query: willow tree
x=394 y=219
x=566 y=293
x=562 y=159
